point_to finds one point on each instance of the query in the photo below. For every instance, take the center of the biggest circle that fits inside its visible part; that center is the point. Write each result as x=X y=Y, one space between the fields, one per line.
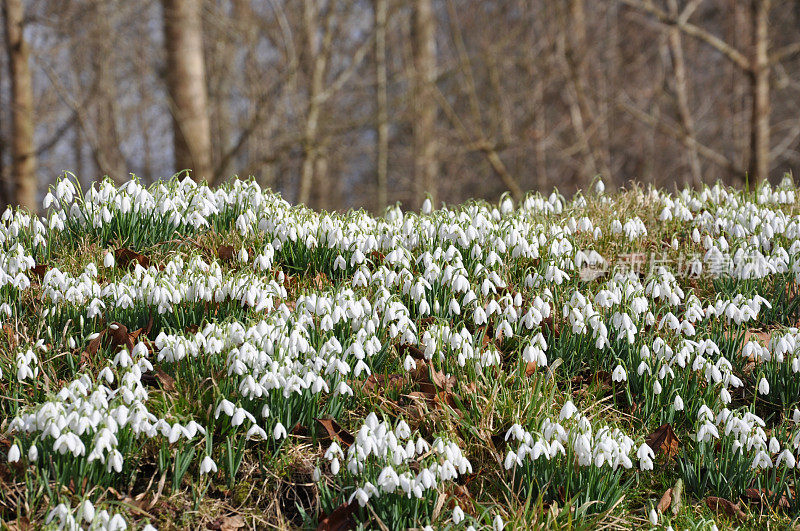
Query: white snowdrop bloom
x=497 y=523
x=458 y=515
x=657 y=388
x=763 y=386
x=787 y=457
x=335 y=466
x=646 y=456
x=87 y=511
x=707 y=432
x=207 y=466
x=796 y=416
x=653 y=517
x=13 y=454
x=567 y=410
x=33 y=453
x=427 y=206
x=279 y=432
x=725 y=396
x=599 y=187
x=774 y=445
x=117 y=523
x=619 y=374
x=761 y=460
x=108 y=260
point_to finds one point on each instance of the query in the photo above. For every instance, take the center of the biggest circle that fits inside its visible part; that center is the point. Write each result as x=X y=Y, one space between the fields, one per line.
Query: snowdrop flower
x=653 y=517
x=763 y=386
x=427 y=206
x=619 y=374
x=725 y=396
x=13 y=454
x=774 y=445
x=786 y=456
x=207 y=465
x=761 y=460
x=108 y=260
x=567 y=410
x=87 y=511
x=678 y=403
x=646 y=456
x=458 y=515
x=599 y=187
x=498 y=524
x=279 y=432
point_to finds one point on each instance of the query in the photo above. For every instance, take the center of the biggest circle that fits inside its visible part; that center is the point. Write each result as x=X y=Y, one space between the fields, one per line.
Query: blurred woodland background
x=351 y=103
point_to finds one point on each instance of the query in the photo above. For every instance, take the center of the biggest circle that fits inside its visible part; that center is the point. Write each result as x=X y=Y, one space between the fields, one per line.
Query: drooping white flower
x=458 y=515
x=567 y=410
x=13 y=454
x=678 y=403
x=207 y=465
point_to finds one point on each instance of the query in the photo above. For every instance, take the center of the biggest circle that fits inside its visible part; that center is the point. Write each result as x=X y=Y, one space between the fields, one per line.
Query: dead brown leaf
x=382 y=382
x=664 y=440
x=11 y=334
x=721 y=505
x=412 y=351
x=125 y=257
x=226 y=523
x=336 y=432
x=39 y=270
x=94 y=344
x=159 y=378
x=341 y=519
x=225 y=252
x=762 y=497
x=665 y=501
x=120 y=336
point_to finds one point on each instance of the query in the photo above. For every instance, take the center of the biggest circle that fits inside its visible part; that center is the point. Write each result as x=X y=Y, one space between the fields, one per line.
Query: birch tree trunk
x=423 y=41
x=382 y=115
x=759 y=127
x=186 y=84
x=23 y=153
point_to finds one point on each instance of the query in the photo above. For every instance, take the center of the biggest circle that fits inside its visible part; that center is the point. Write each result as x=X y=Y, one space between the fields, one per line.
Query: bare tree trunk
x=4 y=199
x=759 y=127
x=382 y=117
x=423 y=41
x=77 y=151
x=23 y=168
x=540 y=124
x=682 y=91
x=186 y=83
x=103 y=63
x=318 y=61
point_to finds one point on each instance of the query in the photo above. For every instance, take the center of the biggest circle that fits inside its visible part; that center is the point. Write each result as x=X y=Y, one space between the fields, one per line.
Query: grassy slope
x=274 y=487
